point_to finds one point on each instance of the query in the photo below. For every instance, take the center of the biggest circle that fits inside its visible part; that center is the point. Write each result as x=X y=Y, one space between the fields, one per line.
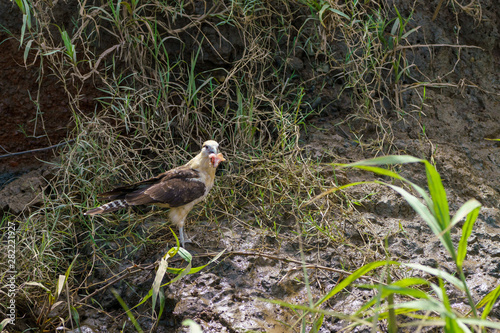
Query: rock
x=22 y=192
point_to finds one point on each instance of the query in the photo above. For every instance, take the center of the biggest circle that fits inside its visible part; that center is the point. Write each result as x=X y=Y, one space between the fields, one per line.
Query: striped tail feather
x=109 y=207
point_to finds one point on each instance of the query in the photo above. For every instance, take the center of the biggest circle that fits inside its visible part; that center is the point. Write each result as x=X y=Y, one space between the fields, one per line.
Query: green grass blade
x=422 y=305
x=354 y=276
x=381 y=171
x=463 y=211
x=411 y=281
x=488 y=301
x=466 y=232
x=419 y=208
x=384 y=160
x=439 y=273
x=438 y=195
x=317 y=324
x=127 y=310
x=480 y=322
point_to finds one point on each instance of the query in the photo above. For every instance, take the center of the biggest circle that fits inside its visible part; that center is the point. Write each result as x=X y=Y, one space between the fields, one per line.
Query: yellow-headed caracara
x=178 y=189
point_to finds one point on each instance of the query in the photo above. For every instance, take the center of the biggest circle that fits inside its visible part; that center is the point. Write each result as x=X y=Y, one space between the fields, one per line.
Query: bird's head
x=211 y=149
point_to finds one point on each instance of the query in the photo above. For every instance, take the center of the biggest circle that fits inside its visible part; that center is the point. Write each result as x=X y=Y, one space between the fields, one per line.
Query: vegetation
x=168 y=75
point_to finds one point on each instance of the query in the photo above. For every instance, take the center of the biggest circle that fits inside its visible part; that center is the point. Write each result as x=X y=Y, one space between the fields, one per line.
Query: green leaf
x=185 y=254
x=489 y=300
x=317 y=324
x=466 y=232
x=321 y=12
x=75 y=316
x=127 y=310
x=463 y=211
x=338 y=12
x=411 y=281
x=422 y=305
x=439 y=273
x=418 y=207
x=193 y=326
x=354 y=276
x=480 y=322
x=27 y=50
x=195 y=269
x=381 y=171
x=438 y=195
x=385 y=160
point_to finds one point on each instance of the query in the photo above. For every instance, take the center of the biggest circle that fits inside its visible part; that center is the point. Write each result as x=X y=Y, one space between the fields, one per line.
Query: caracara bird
x=178 y=189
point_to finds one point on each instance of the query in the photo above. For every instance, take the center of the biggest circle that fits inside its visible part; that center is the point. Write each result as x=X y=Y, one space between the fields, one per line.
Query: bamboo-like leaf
x=184 y=254
x=384 y=160
x=321 y=12
x=75 y=315
x=354 y=276
x=480 y=322
x=381 y=171
x=463 y=211
x=439 y=273
x=488 y=301
x=195 y=269
x=411 y=281
x=438 y=195
x=466 y=232
x=422 y=305
x=418 y=207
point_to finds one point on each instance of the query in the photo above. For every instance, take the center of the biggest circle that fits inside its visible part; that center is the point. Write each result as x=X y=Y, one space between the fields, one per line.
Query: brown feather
x=124 y=192
x=173 y=192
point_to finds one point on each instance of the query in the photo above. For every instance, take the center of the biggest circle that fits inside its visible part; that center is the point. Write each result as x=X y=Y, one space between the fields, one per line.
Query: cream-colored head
x=211 y=148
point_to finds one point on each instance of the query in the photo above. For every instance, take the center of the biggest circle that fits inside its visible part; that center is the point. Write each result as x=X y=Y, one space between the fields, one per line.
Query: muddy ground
x=226 y=297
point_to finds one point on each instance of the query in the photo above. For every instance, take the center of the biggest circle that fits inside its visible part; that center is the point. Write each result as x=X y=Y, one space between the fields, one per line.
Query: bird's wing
x=120 y=192
x=172 y=188
x=172 y=192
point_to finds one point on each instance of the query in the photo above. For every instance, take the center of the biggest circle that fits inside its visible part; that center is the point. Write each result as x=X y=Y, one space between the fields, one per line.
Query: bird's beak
x=211 y=150
x=215 y=159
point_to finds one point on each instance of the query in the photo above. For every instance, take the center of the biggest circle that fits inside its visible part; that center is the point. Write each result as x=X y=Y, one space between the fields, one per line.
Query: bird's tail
x=109 y=207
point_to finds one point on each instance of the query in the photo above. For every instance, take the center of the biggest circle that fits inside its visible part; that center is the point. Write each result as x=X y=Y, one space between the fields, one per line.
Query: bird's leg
x=183 y=237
